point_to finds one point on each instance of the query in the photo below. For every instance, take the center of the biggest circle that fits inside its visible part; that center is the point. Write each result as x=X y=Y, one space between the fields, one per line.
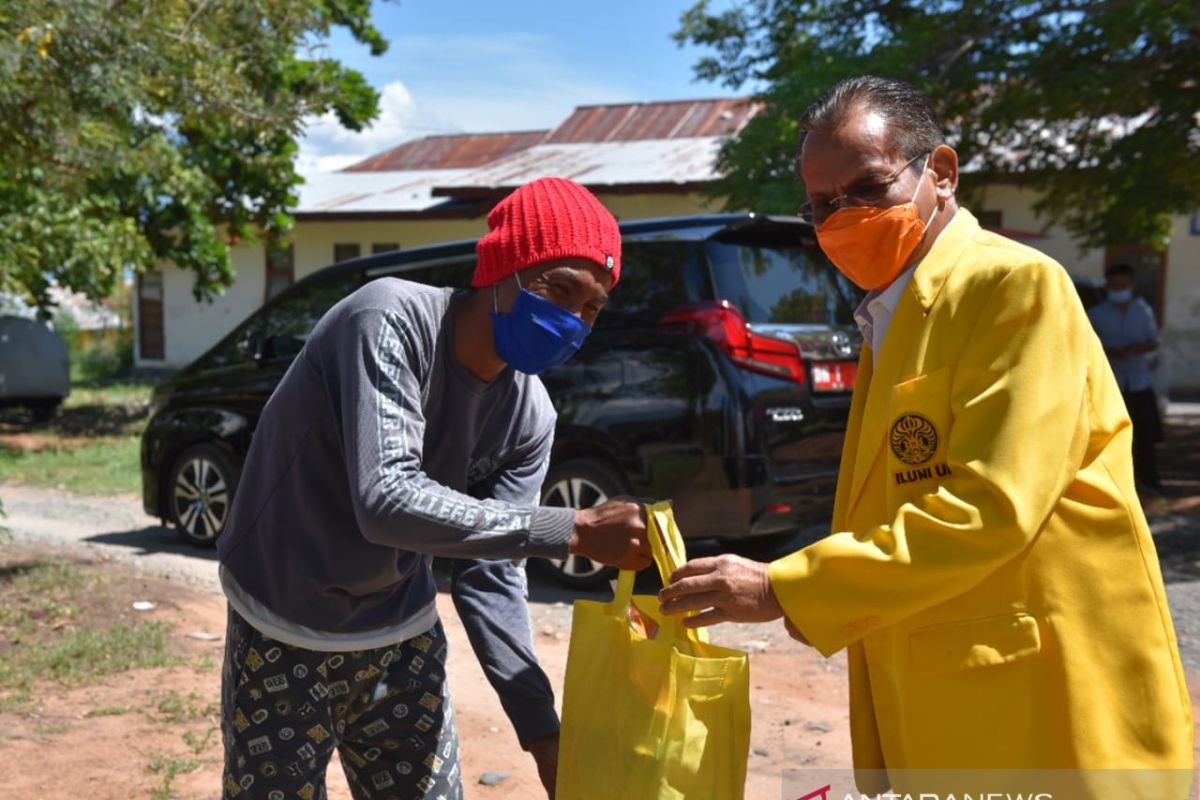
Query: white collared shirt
x=874 y=313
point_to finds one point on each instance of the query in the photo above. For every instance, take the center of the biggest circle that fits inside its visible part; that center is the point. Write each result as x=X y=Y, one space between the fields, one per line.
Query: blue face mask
x=1120 y=295
x=537 y=334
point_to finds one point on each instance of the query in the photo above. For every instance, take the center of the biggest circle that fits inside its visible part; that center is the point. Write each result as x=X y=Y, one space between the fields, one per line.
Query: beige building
x=643 y=160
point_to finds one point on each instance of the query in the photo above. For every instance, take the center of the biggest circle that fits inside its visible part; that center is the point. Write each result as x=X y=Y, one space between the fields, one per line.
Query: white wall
x=1016 y=205
x=1181 y=331
x=189 y=327
x=313 y=241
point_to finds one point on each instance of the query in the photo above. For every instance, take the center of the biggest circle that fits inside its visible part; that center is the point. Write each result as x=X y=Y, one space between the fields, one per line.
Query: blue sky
x=469 y=66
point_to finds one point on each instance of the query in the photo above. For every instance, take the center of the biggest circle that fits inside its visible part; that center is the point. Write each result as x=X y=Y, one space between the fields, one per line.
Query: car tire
x=44 y=411
x=581 y=484
x=199 y=493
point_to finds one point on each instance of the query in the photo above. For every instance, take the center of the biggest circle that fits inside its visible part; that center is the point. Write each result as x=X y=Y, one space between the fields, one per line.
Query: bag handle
x=666 y=545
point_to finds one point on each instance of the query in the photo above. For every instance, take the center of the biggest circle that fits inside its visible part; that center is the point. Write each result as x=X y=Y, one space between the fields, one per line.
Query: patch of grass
x=41 y=593
x=81 y=654
x=169 y=768
x=174 y=708
x=107 y=465
x=51 y=728
x=196 y=742
x=205 y=663
x=108 y=711
x=49 y=630
x=126 y=394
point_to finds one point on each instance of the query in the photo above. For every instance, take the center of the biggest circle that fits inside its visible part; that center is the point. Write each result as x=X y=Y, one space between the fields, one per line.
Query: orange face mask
x=871 y=246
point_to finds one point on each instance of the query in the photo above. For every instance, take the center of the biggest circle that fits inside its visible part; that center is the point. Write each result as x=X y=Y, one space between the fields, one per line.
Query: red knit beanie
x=545 y=220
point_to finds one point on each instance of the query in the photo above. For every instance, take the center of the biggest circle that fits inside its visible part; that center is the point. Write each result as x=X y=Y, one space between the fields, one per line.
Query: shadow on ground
x=154 y=539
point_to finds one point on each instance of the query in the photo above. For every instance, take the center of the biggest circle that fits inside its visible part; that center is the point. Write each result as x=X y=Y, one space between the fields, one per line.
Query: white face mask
x=1120 y=295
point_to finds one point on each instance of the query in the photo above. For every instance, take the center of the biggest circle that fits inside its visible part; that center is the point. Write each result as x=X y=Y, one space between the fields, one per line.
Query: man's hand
x=545 y=755
x=614 y=533
x=726 y=589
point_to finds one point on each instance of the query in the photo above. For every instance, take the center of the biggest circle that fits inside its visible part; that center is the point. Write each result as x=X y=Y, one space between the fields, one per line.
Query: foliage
x=1093 y=103
x=132 y=132
x=98 y=358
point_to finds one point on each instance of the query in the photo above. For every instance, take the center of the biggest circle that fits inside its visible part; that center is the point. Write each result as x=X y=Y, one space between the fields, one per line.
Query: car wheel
x=580 y=484
x=44 y=411
x=200 y=493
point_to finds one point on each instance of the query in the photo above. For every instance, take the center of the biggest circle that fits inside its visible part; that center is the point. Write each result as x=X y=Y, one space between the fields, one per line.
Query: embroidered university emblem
x=913 y=438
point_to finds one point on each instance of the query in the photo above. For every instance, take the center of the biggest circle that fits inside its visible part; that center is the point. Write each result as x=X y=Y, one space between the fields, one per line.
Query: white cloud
x=327 y=146
x=461 y=83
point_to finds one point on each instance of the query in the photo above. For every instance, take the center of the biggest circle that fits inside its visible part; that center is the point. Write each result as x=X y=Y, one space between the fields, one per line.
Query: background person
x=1125 y=325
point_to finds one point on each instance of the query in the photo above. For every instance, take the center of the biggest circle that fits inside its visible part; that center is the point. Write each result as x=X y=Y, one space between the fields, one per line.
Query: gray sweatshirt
x=377 y=451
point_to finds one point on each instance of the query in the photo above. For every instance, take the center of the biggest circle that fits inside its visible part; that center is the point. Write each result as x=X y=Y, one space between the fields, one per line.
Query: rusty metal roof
x=459 y=151
x=663 y=146
x=679 y=164
x=391 y=191
x=674 y=119
x=623 y=122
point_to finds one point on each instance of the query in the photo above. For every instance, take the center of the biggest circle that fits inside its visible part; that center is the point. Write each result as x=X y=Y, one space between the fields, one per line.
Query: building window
x=384 y=247
x=281 y=269
x=345 y=251
x=151 y=337
x=991 y=219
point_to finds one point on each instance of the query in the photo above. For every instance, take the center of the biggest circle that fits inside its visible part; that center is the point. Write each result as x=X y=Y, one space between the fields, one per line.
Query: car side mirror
x=253 y=347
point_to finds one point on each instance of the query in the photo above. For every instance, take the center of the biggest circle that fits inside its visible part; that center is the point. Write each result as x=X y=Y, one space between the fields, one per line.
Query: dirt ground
x=154 y=733
x=119 y=737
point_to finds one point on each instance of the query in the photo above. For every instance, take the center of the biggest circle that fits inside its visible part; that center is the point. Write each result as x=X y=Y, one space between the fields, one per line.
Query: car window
x=656 y=277
x=228 y=352
x=775 y=282
x=286 y=323
x=450 y=274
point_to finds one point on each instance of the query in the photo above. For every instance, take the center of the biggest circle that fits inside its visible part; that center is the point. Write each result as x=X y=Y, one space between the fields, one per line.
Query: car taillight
x=833 y=376
x=720 y=322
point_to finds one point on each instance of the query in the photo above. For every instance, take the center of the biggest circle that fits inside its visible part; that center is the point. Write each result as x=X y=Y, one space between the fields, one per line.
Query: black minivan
x=719 y=376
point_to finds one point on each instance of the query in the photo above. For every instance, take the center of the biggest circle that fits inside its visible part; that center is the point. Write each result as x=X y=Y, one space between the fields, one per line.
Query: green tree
x=1094 y=103
x=133 y=132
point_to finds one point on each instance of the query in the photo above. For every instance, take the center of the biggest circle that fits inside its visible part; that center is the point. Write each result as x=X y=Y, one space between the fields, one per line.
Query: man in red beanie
x=410 y=426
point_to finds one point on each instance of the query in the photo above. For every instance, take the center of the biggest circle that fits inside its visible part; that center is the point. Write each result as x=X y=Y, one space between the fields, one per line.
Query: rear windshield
x=783 y=283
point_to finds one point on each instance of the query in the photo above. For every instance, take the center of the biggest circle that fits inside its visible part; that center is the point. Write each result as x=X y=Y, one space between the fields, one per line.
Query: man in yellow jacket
x=990 y=570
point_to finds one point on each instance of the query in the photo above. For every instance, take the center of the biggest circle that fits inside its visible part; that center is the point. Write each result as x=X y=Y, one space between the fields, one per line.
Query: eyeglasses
x=866 y=194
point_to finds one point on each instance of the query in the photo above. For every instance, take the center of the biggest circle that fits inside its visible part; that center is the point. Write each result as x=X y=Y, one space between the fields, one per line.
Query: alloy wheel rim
x=201 y=497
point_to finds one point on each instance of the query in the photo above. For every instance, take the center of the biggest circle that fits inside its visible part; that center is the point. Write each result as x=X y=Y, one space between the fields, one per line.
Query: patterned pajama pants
x=387 y=712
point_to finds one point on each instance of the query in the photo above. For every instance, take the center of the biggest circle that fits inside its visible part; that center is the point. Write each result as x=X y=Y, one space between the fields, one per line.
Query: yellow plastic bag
x=651 y=709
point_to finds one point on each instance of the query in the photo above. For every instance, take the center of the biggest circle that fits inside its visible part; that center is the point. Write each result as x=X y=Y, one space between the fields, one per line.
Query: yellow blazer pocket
x=918 y=429
x=975 y=643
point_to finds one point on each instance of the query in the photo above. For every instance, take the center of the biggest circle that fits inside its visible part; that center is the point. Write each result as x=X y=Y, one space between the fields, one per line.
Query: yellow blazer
x=991 y=570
